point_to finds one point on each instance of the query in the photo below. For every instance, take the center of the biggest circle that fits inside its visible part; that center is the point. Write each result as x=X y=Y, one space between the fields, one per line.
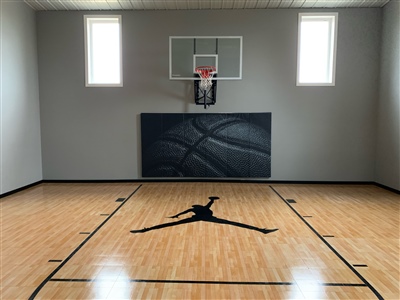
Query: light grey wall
x=388 y=143
x=21 y=162
x=318 y=133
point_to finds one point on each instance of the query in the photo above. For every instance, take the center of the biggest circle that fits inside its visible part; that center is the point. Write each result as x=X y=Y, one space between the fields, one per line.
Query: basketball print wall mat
x=206 y=145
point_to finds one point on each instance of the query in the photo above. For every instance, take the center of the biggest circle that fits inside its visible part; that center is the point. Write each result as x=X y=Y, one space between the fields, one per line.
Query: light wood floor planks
x=74 y=241
x=364 y=221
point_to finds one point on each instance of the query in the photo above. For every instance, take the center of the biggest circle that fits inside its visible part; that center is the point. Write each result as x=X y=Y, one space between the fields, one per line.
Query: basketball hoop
x=206 y=74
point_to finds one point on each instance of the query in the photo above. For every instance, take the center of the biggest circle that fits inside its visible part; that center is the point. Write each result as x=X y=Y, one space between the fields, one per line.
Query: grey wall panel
x=318 y=133
x=388 y=143
x=20 y=147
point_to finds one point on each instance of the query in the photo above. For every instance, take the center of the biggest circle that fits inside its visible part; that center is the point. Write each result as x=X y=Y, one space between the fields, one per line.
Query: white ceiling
x=197 y=4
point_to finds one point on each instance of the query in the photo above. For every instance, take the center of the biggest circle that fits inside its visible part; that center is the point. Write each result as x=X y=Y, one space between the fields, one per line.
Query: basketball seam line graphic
x=208 y=134
x=214 y=143
x=201 y=139
x=218 y=165
x=205 y=135
x=200 y=152
x=178 y=142
x=232 y=140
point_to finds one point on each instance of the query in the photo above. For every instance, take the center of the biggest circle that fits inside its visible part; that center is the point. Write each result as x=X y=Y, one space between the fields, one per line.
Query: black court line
x=84 y=232
x=37 y=290
x=332 y=249
x=180 y=281
x=205 y=282
x=343 y=284
x=329 y=236
x=55 y=260
x=72 y=280
x=360 y=266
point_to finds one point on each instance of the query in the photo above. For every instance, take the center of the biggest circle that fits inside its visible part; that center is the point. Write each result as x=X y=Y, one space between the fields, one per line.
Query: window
x=316 y=49
x=103 y=50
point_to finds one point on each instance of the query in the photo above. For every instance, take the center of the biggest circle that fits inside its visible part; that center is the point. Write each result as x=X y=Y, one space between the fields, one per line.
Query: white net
x=206 y=74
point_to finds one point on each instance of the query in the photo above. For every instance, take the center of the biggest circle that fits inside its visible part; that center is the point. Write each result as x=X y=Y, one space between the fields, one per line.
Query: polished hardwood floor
x=170 y=241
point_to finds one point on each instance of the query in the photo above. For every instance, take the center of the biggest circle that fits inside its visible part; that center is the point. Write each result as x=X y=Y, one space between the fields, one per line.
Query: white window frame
x=332 y=18
x=106 y=18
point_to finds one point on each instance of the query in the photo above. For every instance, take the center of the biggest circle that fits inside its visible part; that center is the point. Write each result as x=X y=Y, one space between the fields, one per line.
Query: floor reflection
x=309 y=282
x=112 y=283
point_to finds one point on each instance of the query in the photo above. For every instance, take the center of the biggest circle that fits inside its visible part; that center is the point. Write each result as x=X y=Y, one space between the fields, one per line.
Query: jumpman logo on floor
x=203 y=213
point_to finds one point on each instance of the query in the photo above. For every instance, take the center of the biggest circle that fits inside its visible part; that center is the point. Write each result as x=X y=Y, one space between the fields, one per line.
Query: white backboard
x=188 y=52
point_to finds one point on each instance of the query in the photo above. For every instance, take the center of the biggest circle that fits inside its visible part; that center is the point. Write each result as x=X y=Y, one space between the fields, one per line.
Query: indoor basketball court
x=199 y=149
x=118 y=241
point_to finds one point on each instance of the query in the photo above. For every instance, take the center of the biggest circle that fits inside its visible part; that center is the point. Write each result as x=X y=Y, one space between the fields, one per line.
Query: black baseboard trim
x=211 y=180
x=217 y=180
x=387 y=188
x=88 y=180
x=20 y=189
